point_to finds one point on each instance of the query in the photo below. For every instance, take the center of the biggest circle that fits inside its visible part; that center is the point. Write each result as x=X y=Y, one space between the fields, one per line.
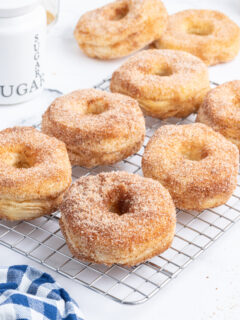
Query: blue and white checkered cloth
x=29 y=294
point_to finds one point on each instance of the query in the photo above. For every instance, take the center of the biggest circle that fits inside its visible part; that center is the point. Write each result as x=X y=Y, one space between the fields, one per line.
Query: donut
x=197 y=165
x=120 y=28
x=34 y=173
x=166 y=83
x=207 y=34
x=97 y=127
x=220 y=110
x=117 y=217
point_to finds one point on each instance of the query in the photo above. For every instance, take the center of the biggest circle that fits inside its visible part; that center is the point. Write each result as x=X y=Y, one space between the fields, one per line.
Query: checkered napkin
x=29 y=294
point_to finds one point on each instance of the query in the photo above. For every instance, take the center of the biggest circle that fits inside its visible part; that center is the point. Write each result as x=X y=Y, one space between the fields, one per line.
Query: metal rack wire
x=41 y=239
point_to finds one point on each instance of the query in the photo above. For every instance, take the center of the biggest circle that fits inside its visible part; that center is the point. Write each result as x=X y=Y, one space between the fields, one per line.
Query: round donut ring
x=117 y=217
x=98 y=127
x=220 y=110
x=34 y=173
x=197 y=165
x=166 y=83
x=120 y=28
x=209 y=35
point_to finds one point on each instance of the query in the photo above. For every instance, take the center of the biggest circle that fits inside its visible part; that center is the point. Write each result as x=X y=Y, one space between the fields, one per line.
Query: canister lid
x=13 y=8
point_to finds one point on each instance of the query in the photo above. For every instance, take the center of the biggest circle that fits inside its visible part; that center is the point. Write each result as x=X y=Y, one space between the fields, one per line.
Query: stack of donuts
x=119 y=217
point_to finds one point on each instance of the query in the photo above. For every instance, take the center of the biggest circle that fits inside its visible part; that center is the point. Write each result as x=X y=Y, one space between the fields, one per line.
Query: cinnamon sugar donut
x=120 y=28
x=220 y=110
x=34 y=173
x=207 y=34
x=98 y=127
x=197 y=165
x=117 y=217
x=166 y=83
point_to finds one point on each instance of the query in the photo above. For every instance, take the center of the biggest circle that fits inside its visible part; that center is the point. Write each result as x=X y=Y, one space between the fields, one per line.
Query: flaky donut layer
x=34 y=173
x=117 y=217
x=220 y=110
x=207 y=34
x=166 y=83
x=120 y=28
x=13 y=210
x=98 y=127
x=197 y=165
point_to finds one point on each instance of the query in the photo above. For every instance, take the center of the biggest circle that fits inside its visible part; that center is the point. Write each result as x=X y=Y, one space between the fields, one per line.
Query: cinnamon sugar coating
x=98 y=127
x=117 y=217
x=34 y=173
x=207 y=34
x=120 y=28
x=220 y=110
x=197 y=165
x=166 y=83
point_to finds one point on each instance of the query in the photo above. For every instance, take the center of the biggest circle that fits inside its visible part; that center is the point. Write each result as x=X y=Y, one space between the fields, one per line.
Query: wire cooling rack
x=41 y=239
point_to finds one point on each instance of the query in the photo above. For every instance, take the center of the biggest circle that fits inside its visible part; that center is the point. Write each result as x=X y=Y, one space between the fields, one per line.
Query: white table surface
x=210 y=287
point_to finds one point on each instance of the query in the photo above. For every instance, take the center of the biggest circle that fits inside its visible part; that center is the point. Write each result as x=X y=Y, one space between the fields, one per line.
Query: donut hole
x=163 y=71
x=22 y=164
x=120 y=206
x=200 y=29
x=194 y=152
x=119 y=201
x=97 y=107
x=19 y=160
x=120 y=12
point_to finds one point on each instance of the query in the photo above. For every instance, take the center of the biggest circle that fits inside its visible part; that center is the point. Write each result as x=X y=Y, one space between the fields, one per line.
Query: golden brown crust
x=220 y=110
x=98 y=127
x=197 y=165
x=143 y=227
x=207 y=34
x=166 y=83
x=120 y=28
x=34 y=173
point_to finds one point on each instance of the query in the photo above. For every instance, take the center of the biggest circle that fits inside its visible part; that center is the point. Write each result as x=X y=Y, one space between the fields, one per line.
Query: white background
x=210 y=287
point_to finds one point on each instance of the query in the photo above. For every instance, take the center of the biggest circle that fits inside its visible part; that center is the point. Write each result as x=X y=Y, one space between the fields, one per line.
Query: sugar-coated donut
x=166 y=83
x=34 y=173
x=220 y=110
x=207 y=34
x=117 y=217
x=120 y=28
x=98 y=127
x=197 y=165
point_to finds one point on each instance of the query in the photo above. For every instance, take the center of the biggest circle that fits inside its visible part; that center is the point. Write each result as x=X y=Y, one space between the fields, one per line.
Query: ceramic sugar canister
x=23 y=25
